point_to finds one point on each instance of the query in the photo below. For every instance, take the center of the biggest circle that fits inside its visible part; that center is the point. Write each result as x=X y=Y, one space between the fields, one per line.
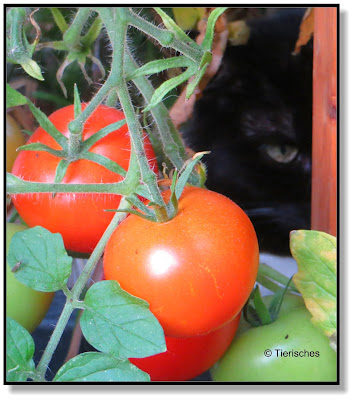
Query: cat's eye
x=283 y=153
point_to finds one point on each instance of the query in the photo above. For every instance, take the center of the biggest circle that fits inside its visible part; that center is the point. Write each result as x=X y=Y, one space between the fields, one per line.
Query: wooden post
x=324 y=155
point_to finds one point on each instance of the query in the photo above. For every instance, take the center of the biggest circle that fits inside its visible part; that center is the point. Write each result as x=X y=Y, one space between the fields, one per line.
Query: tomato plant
x=79 y=217
x=296 y=350
x=25 y=305
x=14 y=139
x=186 y=358
x=196 y=271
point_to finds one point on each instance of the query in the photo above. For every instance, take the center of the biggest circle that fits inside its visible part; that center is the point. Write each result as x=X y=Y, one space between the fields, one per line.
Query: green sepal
x=193 y=84
x=154 y=67
x=93 y=32
x=61 y=171
x=172 y=26
x=14 y=98
x=258 y=314
x=184 y=176
x=167 y=86
x=104 y=162
x=48 y=126
x=32 y=69
x=89 y=142
x=77 y=102
x=59 y=19
x=41 y=147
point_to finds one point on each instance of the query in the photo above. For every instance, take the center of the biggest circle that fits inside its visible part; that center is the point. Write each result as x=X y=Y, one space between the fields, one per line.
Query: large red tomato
x=196 y=271
x=187 y=358
x=80 y=218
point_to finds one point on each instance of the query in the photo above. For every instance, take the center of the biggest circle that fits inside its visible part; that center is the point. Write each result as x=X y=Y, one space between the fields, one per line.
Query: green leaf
x=19 y=352
x=59 y=19
x=14 y=98
x=211 y=22
x=32 y=69
x=315 y=253
x=99 y=367
x=115 y=322
x=41 y=147
x=167 y=86
x=154 y=67
x=48 y=126
x=39 y=260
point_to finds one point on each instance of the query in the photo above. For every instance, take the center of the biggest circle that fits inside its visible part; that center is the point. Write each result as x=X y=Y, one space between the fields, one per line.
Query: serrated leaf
x=32 y=69
x=120 y=324
x=315 y=253
x=211 y=22
x=39 y=260
x=19 y=352
x=167 y=86
x=99 y=367
x=156 y=66
x=14 y=98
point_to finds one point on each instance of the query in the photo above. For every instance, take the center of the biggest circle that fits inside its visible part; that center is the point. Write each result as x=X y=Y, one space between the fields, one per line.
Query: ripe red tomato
x=79 y=218
x=187 y=358
x=196 y=271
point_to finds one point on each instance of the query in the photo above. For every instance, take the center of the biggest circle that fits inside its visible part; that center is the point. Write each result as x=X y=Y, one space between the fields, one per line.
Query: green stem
x=16 y=185
x=72 y=300
x=72 y=36
x=54 y=339
x=164 y=37
x=117 y=33
x=97 y=252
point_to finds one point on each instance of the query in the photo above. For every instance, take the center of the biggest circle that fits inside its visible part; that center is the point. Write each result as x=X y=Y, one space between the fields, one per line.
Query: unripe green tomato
x=25 y=305
x=245 y=360
x=14 y=139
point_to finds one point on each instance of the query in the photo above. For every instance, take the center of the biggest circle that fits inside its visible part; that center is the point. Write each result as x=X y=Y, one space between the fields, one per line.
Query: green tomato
x=296 y=351
x=25 y=305
x=14 y=139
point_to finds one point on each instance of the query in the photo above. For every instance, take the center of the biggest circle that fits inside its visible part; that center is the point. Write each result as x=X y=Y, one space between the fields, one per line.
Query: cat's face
x=255 y=118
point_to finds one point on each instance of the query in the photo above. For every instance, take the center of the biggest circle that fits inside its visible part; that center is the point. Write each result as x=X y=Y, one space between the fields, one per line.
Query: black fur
x=260 y=96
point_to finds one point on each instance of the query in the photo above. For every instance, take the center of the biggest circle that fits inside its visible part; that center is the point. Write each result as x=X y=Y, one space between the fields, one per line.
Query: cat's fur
x=260 y=96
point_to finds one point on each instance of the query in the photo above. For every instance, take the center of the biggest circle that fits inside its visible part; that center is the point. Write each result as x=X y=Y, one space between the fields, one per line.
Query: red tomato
x=80 y=218
x=196 y=271
x=187 y=358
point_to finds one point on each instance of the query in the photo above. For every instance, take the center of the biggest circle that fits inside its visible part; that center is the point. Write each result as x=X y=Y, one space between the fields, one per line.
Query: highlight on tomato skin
x=79 y=217
x=196 y=271
x=188 y=358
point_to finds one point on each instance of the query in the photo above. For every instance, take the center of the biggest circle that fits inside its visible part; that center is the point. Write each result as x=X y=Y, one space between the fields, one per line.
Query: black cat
x=255 y=118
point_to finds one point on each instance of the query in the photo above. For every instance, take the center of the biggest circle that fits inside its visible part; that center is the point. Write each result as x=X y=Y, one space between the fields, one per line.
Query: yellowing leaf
x=315 y=253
